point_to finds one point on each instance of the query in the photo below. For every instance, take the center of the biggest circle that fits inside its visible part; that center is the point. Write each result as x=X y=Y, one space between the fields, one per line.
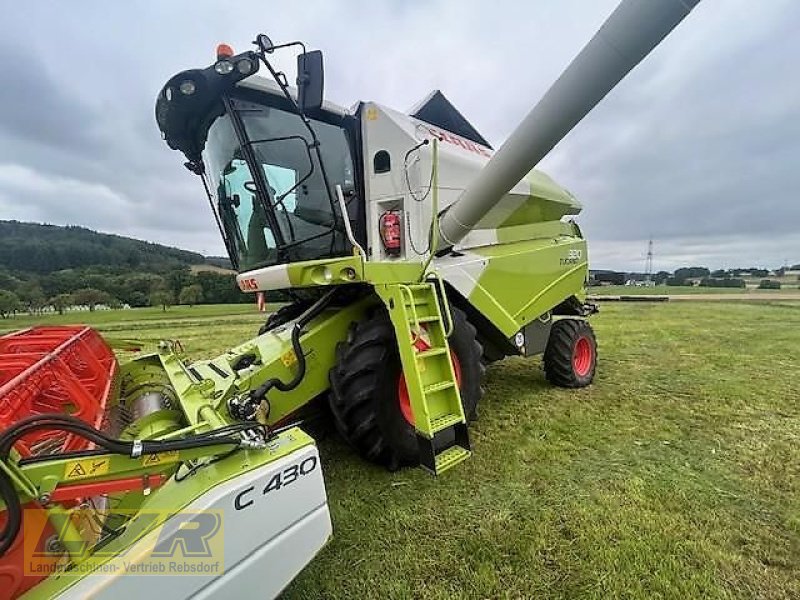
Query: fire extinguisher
x=391 y=232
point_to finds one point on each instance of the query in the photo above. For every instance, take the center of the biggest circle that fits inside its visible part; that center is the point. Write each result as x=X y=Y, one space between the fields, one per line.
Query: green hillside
x=42 y=249
x=48 y=267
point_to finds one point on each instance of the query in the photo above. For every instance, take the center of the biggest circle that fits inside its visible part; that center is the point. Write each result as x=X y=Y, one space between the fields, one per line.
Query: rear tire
x=364 y=396
x=570 y=359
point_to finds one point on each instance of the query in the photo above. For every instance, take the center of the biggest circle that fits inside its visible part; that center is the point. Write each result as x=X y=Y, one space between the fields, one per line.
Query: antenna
x=649 y=264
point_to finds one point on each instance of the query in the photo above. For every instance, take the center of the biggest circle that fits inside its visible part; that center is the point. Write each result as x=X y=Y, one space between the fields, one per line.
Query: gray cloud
x=33 y=107
x=698 y=147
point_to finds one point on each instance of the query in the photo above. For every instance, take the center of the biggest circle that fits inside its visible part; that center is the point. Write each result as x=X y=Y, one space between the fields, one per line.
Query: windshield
x=300 y=220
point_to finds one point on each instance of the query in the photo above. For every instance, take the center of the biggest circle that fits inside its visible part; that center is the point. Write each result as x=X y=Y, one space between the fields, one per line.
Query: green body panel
x=277 y=359
x=545 y=201
x=204 y=387
x=393 y=272
x=326 y=271
x=548 y=230
x=526 y=271
x=524 y=280
x=548 y=201
x=351 y=269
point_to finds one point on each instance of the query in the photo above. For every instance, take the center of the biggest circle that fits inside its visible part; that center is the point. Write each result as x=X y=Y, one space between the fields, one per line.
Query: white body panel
x=275 y=277
x=264 y=84
x=405 y=187
x=267 y=540
x=463 y=271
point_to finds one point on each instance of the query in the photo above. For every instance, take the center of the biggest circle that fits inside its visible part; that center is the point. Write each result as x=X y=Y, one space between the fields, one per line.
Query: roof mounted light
x=224 y=51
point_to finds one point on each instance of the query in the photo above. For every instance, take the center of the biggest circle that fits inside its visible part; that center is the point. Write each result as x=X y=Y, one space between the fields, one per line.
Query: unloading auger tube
x=624 y=40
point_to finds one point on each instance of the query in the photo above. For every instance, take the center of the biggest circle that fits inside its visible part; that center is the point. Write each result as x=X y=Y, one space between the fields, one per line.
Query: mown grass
x=676 y=475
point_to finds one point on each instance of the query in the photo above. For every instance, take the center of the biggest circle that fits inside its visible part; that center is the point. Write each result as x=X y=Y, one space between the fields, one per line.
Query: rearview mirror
x=310 y=80
x=264 y=43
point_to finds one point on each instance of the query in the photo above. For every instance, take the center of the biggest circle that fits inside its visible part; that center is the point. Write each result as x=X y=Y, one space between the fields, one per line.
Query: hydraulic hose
x=80 y=428
x=13 y=513
x=314 y=311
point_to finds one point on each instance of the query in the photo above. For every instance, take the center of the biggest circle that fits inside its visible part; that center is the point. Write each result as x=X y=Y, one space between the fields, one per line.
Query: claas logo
x=160 y=543
x=248 y=285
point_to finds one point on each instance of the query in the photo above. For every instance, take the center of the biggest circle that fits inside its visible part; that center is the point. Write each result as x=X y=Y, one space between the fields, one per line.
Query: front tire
x=365 y=396
x=570 y=359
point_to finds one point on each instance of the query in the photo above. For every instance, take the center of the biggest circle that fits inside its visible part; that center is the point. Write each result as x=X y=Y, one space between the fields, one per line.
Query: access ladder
x=439 y=420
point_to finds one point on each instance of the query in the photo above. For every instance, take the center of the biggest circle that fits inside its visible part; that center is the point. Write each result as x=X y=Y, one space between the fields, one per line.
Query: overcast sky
x=699 y=148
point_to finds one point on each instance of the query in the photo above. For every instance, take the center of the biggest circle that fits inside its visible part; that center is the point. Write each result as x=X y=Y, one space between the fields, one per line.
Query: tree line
x=733 y=278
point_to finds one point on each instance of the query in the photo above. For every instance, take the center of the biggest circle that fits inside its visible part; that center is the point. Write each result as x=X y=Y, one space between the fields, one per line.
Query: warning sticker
x=152 y=460
x=87 y=467
x=288 y=358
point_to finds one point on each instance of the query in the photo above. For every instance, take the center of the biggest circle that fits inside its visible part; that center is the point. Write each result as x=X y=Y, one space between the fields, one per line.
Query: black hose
x=78 y=427
x=260 y=392
x=13 y=513
x=57 y=422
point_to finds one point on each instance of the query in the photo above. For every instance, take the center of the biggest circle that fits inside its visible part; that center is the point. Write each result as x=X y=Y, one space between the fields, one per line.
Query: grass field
x=676 y=475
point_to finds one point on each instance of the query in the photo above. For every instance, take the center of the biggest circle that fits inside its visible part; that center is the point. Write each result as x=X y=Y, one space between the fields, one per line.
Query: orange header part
x=224 y=51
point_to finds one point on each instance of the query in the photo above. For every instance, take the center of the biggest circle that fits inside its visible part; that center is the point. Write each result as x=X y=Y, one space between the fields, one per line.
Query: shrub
x=728 y=282
x=769 y=284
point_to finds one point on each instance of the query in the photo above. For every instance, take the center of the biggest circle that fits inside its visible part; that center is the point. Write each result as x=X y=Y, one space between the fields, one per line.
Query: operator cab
x=271 y=157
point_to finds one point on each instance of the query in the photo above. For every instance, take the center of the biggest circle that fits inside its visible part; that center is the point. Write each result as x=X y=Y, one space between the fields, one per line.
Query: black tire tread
x=558 y=354
x=355 y=385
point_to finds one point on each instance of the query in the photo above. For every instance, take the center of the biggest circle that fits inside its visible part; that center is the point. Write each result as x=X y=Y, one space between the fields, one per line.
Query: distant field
x=204 y=330
x=104 y=317
x=676 y=475
x=211 y=268
x=669 y=290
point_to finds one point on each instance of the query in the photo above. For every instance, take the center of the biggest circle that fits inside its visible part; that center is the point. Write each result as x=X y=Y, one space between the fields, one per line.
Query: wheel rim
x=582 y=357
x=403 y=397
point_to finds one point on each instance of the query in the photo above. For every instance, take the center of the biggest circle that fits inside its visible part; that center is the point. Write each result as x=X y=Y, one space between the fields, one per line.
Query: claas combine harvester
x=413 y=254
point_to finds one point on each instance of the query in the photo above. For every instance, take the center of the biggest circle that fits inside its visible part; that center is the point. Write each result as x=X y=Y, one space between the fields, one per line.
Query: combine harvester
x=413 y=254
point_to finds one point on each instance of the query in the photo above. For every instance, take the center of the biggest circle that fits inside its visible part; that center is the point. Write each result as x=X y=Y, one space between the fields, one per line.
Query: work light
x=187 y=87
x=223 y=67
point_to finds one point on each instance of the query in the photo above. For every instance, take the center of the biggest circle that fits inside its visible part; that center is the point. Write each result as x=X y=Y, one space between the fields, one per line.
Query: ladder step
x=424 y=320
x=450 y=458
x=417 y=302
x=419 y=287
x=441 y=423
x=438 y=387
x=431 y=352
